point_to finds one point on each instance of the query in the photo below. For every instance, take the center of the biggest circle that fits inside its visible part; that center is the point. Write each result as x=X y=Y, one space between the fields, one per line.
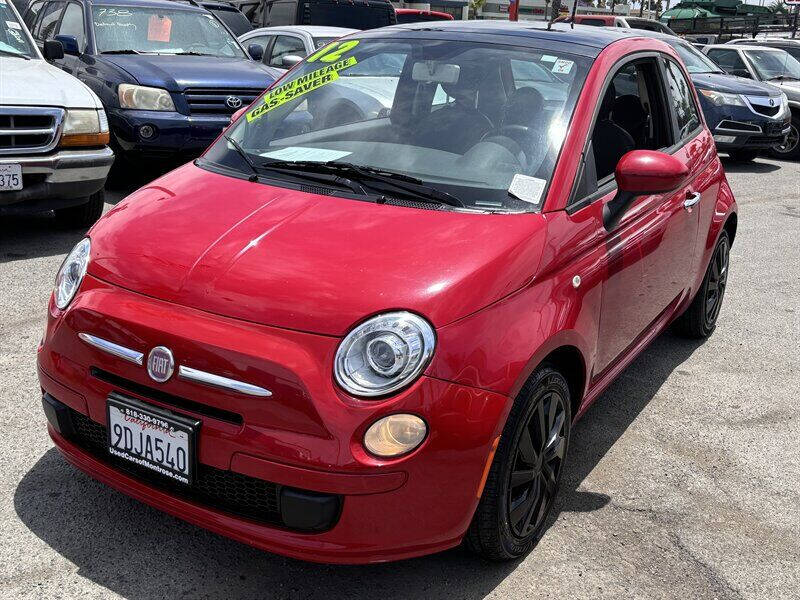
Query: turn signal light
x=85 y=139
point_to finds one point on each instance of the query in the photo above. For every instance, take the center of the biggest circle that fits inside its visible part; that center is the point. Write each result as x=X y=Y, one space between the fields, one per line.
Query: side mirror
x=290 y=60
x=69 y=43
x=256 y=52
x=53 y=50
x=235 y=116
x=642 y=173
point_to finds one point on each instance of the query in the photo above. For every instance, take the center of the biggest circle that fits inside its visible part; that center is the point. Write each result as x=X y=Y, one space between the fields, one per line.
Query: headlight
x=144 y=98
x=395 y=435
x=71 y=273
x=722 y=99
x=384 y=354
x=84 y=127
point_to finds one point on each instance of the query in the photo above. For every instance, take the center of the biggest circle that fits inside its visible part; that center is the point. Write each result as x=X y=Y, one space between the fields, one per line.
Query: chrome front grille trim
x=122 y=352
x=218 y=381
x=213 y=101
x=50 y=133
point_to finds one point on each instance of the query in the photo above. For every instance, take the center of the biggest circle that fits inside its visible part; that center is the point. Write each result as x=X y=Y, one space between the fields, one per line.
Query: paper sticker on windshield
x=159 y=29
x=562 y=66
x=300 y=86
x=13 y=25
x=527 y=189
x=297 y=153
x=548 y=58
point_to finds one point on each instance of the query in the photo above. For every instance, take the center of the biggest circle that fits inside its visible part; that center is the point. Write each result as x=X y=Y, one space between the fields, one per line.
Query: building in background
x=458 y=8
x=539 y=10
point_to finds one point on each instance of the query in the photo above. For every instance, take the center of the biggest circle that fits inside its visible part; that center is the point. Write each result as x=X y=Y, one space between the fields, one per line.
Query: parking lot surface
x=683 y=480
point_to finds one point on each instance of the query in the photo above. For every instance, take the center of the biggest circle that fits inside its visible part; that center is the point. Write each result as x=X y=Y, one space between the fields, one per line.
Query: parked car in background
x=771 y=65
x=353 y=14
x=284 y=47
x=169 y=74
x=368 y=343
x=416 y=15
x=231 y=16
x=618 y=21
x=792 y=46
x=747 y=117
x=54 y=152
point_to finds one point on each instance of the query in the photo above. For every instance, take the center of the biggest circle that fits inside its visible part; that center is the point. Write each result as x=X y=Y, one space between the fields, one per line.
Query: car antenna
x=572 y=16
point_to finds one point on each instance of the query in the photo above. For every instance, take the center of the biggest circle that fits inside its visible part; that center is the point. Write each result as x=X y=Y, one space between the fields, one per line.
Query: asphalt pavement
x=683 y=480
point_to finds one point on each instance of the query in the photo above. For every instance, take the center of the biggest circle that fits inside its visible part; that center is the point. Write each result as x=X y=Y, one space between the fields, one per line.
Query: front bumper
x=731 y=134
x=306 y=436
x=175 y=135
x=56 y=180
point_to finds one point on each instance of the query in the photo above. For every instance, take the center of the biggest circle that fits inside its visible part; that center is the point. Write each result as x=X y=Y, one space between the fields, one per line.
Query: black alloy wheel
x=791 y=147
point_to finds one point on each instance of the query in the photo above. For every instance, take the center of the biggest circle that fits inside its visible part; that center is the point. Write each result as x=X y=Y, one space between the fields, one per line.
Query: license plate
x=10 y=177
x=152 y=437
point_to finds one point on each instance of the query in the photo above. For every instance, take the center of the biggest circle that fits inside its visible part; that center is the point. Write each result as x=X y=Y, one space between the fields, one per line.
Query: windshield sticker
x=159 y=29
x=296 y=153
x=300 y=86
x=13 y=25
x=562 y=66
x=548 y=58
x=333 y=52
x=527 y=189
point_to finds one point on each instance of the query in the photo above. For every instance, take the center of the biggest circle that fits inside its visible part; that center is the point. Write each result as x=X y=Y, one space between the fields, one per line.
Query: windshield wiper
x=15 y=54
x=783 y=78
x=301 y=169
x=126 y=51
x=191 y=53
x=412 y=186
x=241 y=151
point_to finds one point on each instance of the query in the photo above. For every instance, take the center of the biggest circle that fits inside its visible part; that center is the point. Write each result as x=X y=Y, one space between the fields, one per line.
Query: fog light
x=395 y=435
x=147 y=131
x=725 y=139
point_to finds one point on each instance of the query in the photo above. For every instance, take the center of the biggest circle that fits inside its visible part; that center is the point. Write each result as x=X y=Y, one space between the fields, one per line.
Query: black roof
x=583 y=40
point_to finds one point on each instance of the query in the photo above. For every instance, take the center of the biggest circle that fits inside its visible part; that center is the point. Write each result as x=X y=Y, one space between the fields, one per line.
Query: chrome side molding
x=122 y=352
x=222 y=382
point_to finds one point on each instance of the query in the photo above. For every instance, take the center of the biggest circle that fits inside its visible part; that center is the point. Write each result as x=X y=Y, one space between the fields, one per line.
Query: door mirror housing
x=53 y=50
x=256 y=52
x=290 y=60
x=69 y=43
x=642 y=173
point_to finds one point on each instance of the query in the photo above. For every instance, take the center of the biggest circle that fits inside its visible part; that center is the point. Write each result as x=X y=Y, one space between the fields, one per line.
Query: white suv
x=54 y=152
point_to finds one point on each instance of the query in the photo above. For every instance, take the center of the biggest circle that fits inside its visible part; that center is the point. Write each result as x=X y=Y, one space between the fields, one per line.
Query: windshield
x=695 y=61
x=139 y=29
x=13 y=41
x=483 y=123
x=774 y=64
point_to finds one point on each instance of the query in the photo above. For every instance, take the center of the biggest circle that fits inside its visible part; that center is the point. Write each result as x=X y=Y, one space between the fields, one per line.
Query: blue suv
x=169 y=74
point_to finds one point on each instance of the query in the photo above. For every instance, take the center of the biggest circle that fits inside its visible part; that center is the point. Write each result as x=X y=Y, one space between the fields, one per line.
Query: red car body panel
x=264 y=290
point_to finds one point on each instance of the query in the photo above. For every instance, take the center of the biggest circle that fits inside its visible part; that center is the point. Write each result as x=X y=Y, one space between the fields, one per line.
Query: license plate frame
x=158 y=423
x=10 y=177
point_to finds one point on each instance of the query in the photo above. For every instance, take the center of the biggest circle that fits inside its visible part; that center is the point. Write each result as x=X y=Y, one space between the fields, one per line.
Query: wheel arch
x=569 y=361
x=730 y=226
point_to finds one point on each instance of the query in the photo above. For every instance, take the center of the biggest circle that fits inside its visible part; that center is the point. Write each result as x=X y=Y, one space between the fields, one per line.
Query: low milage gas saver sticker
x=302 y=85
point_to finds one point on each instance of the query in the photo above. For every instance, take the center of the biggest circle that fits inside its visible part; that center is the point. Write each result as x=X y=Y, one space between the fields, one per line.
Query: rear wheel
x=791 y=148
x=743 y=156
x=82 y=215
x=700 y=319
x=526 y=470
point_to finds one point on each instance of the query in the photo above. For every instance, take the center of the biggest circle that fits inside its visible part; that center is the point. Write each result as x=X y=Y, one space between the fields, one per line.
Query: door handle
x=692 y=198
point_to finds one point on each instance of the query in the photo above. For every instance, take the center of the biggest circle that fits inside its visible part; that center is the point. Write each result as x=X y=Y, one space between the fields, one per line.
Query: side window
x=46 y=28
x=286 y=45
x=31 y=14
x=261 y=40
x=72 y=24
x=682 y=99
x=730 y=61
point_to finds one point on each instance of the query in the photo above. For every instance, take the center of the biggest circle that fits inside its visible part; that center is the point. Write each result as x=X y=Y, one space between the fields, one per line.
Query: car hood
x=37 y=83
x=177 y=73
x=730 y=84
x=301 y=261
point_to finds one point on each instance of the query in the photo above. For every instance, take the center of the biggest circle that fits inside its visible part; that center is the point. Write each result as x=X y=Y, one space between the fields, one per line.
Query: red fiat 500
x=360 y=327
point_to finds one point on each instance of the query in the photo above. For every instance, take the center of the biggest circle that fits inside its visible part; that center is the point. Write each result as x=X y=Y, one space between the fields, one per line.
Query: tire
x=497 y=532
x=791 y=149
x=743 y=156
x=82 y=215
x=700 y=319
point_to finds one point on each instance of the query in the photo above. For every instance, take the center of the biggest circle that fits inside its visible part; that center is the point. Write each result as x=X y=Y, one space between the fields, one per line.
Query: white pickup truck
x=54 y=152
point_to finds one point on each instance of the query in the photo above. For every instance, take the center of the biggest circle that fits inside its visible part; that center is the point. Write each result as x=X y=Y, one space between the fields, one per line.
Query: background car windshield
x=159 y=30
x=12 y=37
x=482 y=122
x=695 y=61
x=771 y=64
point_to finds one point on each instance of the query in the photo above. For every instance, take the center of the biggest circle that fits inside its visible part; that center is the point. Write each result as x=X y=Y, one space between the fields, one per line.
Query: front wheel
x=84 y=214
x=700 y=319
x=743 y=156
x=790 y=149
x=526 y=470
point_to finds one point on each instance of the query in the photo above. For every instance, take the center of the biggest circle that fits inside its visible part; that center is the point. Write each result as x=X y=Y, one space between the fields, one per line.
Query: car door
x=72 y=24
x=648 y=256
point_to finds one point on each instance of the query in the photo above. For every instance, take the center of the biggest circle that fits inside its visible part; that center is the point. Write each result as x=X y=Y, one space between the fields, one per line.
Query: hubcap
x=717 y=280
x=537 y=464
x=791 y=141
